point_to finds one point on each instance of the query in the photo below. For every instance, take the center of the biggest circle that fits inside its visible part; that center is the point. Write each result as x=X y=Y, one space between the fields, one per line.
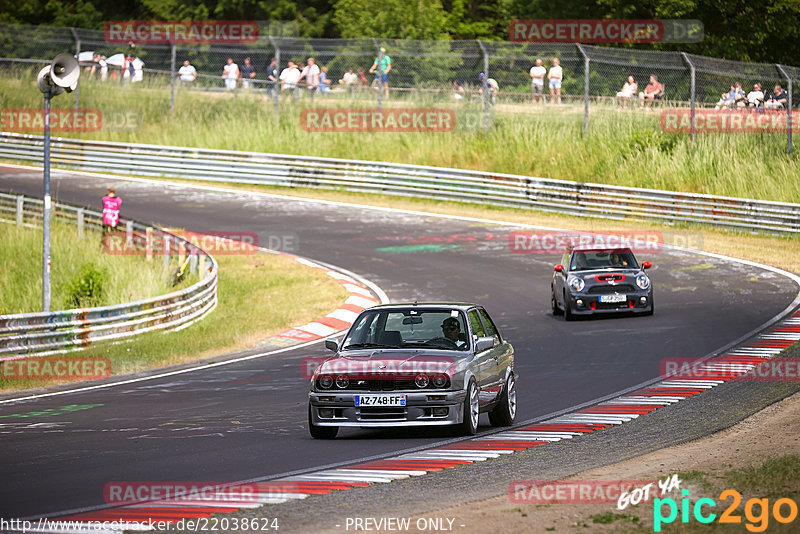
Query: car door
x=502 y=354
x=560 y=280
x=484 y=364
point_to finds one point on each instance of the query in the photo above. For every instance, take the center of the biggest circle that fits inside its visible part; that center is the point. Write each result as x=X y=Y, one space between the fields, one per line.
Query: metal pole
x=585 y=90
x=692 y=94
x=485 y=84
x=788 y=110
x=380 y=72
x=46 y=213
x=172 y=79
x=277 y=88
x=77 y=56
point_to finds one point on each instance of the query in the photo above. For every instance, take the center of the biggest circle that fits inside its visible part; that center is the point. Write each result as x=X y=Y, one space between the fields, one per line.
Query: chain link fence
x=422 y=72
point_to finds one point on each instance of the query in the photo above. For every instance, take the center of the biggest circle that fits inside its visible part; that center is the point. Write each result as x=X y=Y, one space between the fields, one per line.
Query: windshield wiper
x=370 y=346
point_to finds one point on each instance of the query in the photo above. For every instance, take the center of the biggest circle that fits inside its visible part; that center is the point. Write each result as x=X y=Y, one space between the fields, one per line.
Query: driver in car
x=452 y=330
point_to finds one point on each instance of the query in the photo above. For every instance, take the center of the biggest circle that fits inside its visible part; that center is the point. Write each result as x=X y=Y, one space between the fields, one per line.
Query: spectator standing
x=289 y=78
x=627 y=92
x=652 y=92
x=272 y=77
x=311 y=75
x=187 y=73
x=554 y=77
x=247 y=73
x=324 y=81
x=537 y=73
x=111 y=205
x=755 y=97
x=230 y=73
x=778 y=99
x=383 y=70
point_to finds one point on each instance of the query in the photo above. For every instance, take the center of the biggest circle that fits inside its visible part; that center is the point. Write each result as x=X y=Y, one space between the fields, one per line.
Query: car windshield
x=409 y=328
x=586 y=260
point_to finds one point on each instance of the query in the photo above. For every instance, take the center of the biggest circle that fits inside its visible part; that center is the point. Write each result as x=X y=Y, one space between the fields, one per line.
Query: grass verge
x=621 y=147
x=259 y=295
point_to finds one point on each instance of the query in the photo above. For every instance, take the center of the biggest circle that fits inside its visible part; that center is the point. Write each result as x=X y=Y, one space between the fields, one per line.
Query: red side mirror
x=646 y=265
x=559 y=268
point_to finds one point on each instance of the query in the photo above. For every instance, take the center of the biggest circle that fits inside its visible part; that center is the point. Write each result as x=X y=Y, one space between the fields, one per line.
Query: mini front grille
x=604 y=289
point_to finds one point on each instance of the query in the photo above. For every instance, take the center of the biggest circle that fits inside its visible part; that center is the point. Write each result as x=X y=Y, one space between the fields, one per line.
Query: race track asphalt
x=248 y=419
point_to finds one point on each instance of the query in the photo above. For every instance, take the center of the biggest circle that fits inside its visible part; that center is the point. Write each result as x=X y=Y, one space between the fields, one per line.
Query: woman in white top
x=554 y=76
x=628 y=91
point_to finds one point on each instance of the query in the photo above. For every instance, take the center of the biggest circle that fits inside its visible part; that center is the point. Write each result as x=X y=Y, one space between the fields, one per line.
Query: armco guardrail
x=67 y=330
x=561 y=196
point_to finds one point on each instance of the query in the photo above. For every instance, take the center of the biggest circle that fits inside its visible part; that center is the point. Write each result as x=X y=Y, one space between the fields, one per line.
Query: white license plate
x=380 y=400
x=616 y=297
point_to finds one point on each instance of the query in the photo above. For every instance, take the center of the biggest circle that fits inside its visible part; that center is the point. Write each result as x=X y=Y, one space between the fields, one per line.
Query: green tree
x=399 y=19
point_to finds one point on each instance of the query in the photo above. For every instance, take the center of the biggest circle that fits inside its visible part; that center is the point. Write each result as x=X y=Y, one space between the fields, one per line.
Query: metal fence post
x=129 y=234
x=692 y=94
x=20 y=209
x=80 y=222
x=277 y=89
x=485 y=83
x=172 y=79
x=379 y=72
x=77 y=57
x=585 y=89
x=788 y=110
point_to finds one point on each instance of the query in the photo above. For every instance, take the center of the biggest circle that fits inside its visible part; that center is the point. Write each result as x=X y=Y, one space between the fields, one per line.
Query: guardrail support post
x=692 y=94
x=194 y=264
x=148 y=251
x=788 y=110
x=80 y=222
x=201 y=268
x=129 y=234
x=166 y=251
x=20 y=209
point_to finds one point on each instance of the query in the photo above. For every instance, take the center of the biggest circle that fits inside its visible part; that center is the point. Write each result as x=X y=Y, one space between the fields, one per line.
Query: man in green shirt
x=385 y=67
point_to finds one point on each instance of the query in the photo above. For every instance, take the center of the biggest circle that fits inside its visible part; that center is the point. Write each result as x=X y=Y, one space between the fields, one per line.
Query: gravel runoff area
x=728 y=426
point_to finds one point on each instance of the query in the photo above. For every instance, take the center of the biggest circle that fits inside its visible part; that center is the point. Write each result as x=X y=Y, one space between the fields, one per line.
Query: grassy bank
x=622 y=147
x=259 y=295
x=82 y=274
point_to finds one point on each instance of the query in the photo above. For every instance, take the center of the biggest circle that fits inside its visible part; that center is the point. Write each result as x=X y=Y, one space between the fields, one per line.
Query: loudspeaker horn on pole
x=62 y=73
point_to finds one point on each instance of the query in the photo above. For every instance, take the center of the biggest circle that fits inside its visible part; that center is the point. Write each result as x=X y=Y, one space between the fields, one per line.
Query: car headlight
x=439 y=381
x=342 y=382
x=642 y=281
x=326 y=381
x=576 y=283
x=421 y=381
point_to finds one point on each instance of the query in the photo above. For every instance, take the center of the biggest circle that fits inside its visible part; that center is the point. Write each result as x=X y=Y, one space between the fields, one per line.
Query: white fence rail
x=68 y=330
x=561 y=196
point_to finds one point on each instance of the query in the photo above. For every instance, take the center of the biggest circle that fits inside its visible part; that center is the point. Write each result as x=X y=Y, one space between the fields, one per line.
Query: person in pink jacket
x=111 y=205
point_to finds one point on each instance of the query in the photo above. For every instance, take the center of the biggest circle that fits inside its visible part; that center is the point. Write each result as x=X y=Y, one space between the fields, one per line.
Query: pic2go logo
x=756 y=521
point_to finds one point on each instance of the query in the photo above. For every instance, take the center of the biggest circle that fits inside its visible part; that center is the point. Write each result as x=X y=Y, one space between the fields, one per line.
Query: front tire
x=568 y=316
x=652 y=307
x=321 y=432
x=469 y=424
x=506 y=410
x=554 y=302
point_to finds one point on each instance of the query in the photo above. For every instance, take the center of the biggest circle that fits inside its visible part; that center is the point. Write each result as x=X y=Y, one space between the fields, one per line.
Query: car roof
x=593 y=248
x=463 y=306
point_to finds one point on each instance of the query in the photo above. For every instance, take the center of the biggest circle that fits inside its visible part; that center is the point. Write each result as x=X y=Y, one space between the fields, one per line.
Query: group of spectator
x=554 y=78
x=653 y=91
x=735 y=98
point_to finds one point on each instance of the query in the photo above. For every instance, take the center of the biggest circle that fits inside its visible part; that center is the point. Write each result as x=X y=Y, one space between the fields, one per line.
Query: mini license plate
x=380 y=400
x=616 y=297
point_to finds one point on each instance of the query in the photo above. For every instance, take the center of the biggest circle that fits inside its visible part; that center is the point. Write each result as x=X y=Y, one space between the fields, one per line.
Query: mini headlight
x=421 y=381
x=576 y=283
x=342 y=382
x=326 y=381
x=642 y=281
x=439 y=381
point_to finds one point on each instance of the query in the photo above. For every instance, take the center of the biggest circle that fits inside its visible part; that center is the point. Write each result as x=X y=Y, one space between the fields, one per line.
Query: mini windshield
x=586 y=260
x=409 y=328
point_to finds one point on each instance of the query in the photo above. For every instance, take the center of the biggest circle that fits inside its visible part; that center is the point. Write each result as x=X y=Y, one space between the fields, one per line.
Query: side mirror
x=646 y=265
x=332 y=344
x=559 y=268
x=484 y=343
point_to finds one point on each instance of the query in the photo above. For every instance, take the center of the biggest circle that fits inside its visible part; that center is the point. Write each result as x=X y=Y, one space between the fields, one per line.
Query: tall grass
x=123 y=278
x=622 y=147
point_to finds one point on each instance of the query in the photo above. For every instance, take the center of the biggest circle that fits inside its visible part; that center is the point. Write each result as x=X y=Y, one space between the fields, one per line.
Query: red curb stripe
x=568 y=427
x=334 y=323
x=352 y=307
